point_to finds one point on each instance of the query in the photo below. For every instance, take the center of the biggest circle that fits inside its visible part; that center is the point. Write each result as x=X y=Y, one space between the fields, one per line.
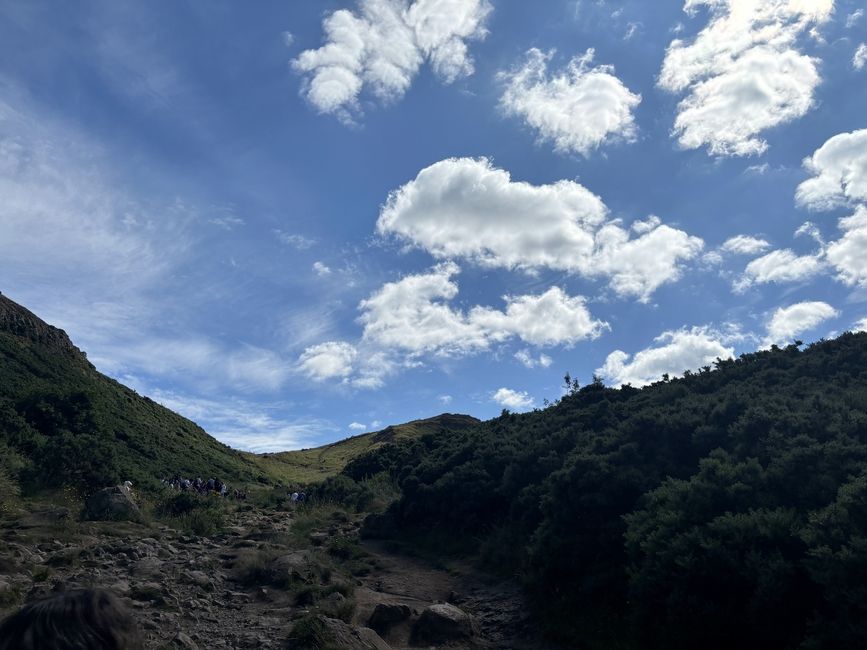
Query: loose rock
x=387 y=614
x=442 y=623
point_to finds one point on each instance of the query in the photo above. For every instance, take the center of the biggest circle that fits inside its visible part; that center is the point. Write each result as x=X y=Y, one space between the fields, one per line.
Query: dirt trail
x=180 y=583
x=497 y=605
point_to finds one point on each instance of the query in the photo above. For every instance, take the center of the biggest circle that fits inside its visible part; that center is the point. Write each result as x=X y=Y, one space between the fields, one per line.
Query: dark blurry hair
x=86 y=619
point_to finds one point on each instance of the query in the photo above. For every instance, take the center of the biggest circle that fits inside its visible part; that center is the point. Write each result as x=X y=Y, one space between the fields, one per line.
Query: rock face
x=387 y=614
x=443 y=623
x=112 y=504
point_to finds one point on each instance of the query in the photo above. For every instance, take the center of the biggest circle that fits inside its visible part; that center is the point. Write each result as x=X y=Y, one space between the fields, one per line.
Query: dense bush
x=196 y=513
x=725 y=509
x=370 y=494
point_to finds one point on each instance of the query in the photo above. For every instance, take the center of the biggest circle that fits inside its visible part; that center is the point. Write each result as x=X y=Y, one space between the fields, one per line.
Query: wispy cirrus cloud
x=246 y=425
x=102 y=263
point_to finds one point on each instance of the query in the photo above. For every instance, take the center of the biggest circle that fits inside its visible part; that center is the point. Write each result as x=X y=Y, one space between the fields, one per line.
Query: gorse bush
x=721 y=510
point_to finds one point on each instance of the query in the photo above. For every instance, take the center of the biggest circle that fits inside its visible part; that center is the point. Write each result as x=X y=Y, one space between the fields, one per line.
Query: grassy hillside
x=309 y=465
x=64 y=423
x=727 y=509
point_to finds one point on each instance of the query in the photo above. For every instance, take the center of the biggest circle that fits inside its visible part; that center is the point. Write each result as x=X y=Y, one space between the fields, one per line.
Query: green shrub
x=311 y=633
x=198 y=514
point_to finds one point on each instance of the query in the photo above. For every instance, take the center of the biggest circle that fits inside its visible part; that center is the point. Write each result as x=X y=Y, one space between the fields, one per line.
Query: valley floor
x=246 y=586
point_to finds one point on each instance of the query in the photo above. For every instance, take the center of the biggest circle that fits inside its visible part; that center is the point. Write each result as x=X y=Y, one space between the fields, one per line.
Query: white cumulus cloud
x=526 y=358
x=860 y=57
x=788 y=322
x=839 y=169
x=321 y=269
x=331 y=360
x=745 y=245
x=578 y=109
x=743 y=73
x=513 y=399
x=414 y=315
x=357 y=426
x=382 y=47
x=860 y=325
x=849 y=253
x=463 y=207
x=673 y=352
x=780 y=266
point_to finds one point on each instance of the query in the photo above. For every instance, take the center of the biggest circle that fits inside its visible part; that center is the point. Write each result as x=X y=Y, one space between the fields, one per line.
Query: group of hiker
x=202 y=486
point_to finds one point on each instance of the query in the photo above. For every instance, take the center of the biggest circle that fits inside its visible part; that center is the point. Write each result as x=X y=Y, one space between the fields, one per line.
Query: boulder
x=297 y=566
x=181 y=640
x=334 y=633
x=198 y=578
x=112 y=504
x=387 y=614
x=443 y=623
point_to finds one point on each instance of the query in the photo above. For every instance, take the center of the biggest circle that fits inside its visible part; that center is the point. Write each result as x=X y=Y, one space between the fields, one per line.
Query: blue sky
x=295 y=221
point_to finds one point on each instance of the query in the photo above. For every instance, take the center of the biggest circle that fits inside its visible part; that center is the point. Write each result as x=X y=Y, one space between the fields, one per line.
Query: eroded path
x=497 y=605
x=246 y=586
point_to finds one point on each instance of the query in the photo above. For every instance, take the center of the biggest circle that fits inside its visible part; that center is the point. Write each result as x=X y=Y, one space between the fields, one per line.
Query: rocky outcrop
x=443 y=623
x=112 y=504
x=19 y=321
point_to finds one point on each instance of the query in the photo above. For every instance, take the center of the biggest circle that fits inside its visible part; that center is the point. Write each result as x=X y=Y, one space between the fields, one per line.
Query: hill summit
x=19 y=321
